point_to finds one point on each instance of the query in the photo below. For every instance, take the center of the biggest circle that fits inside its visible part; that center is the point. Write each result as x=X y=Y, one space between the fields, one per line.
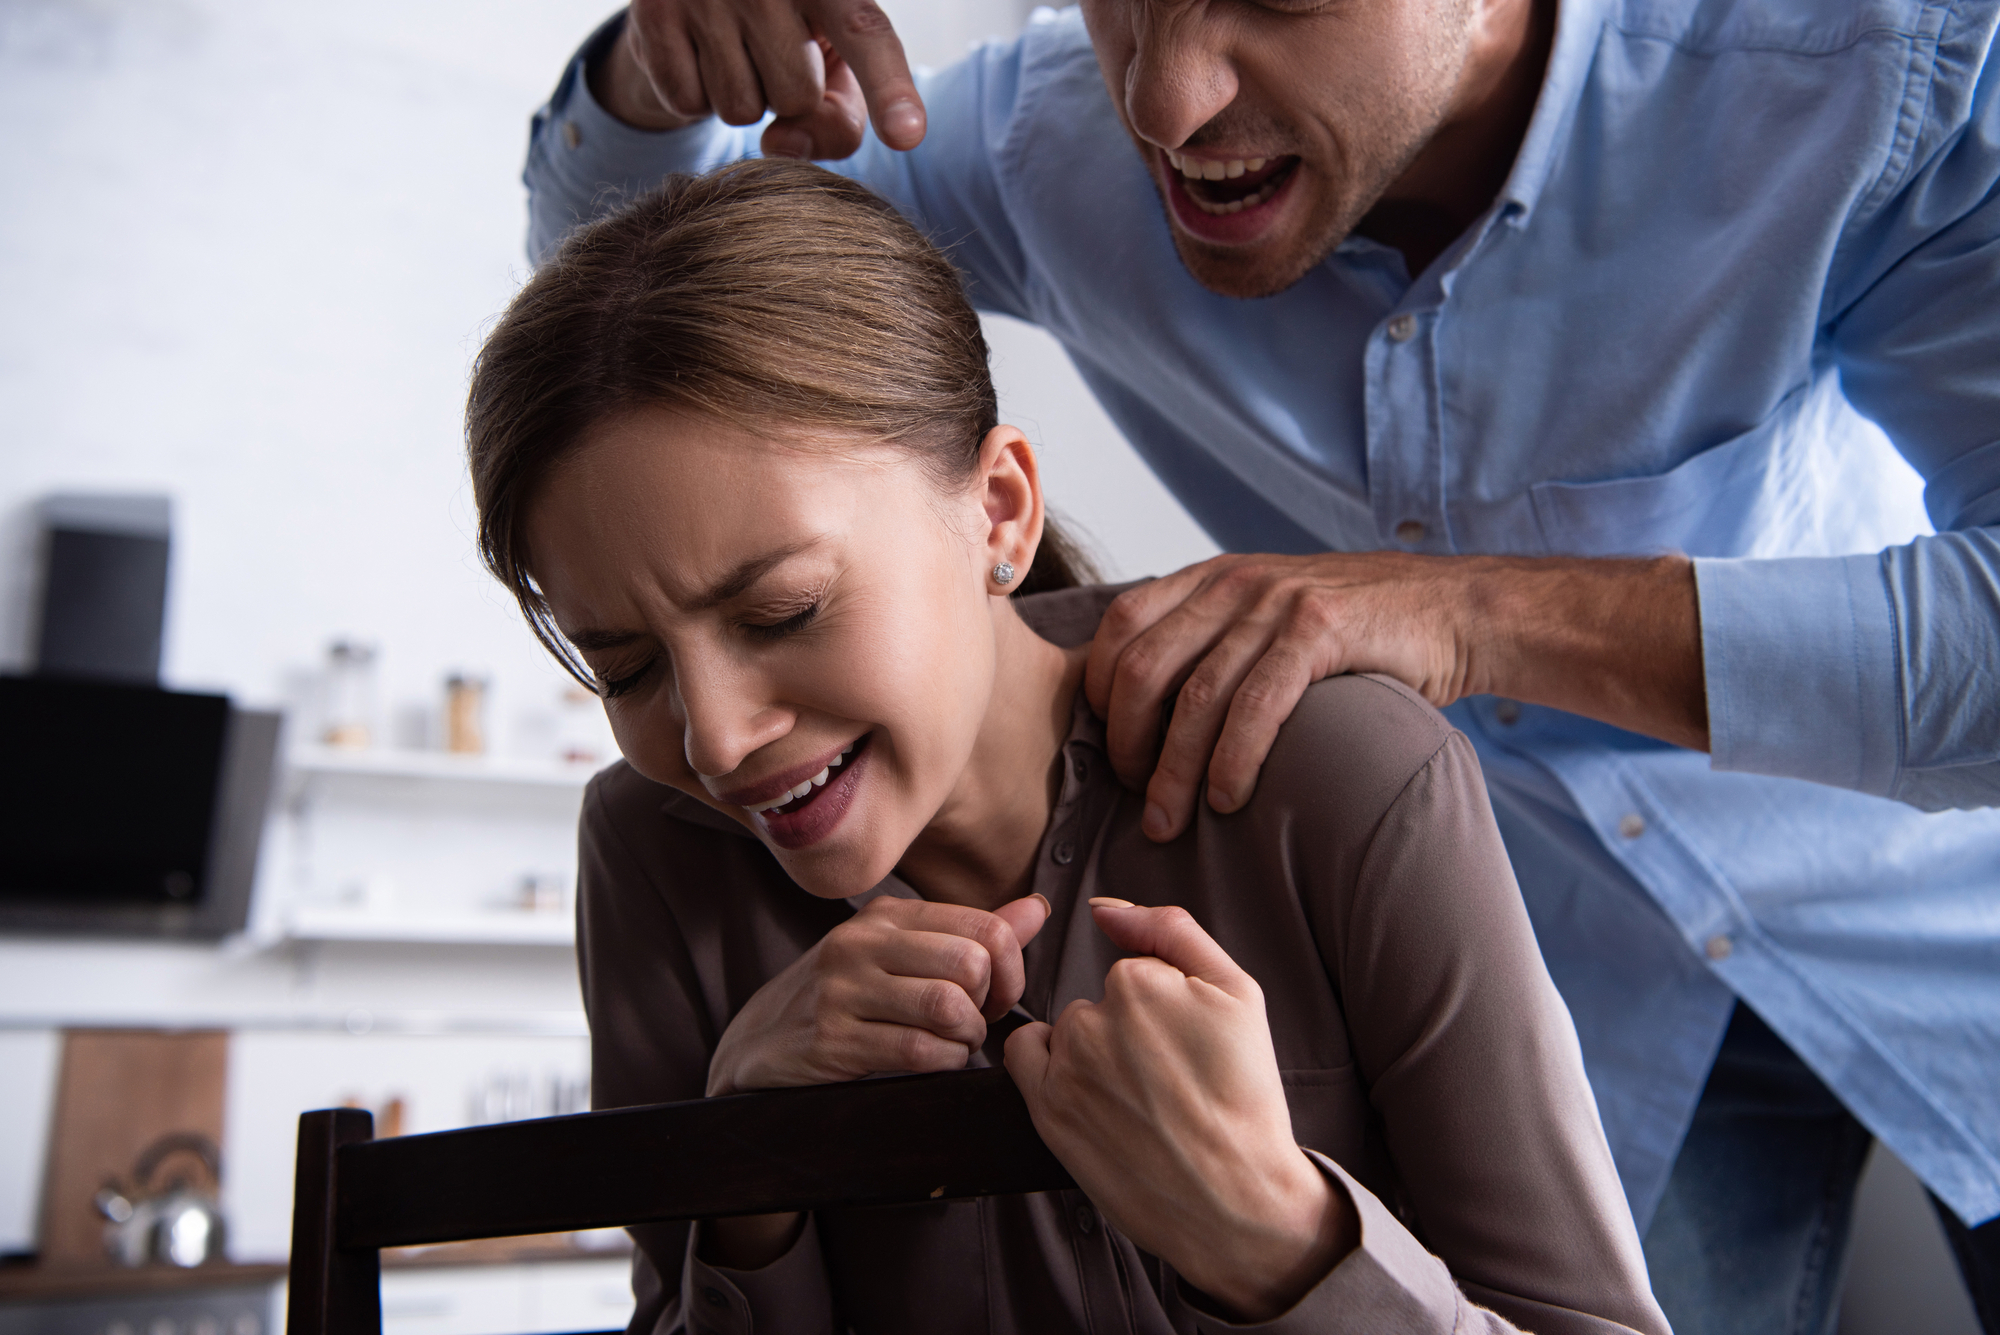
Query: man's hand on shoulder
x=1195 y=673
x=821 y=66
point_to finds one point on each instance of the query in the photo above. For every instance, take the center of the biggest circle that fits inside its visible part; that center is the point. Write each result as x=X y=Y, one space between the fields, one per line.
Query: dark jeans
x=1978 y=1253
x=1751 y=1236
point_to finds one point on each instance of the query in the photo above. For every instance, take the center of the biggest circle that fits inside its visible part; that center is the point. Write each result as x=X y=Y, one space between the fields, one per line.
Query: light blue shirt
x=1746 y=245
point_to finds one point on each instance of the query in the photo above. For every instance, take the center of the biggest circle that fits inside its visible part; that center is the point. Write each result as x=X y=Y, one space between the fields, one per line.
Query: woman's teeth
x=806 y=786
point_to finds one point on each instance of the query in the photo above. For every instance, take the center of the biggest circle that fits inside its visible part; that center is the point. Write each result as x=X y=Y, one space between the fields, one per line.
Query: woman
x=736 y=451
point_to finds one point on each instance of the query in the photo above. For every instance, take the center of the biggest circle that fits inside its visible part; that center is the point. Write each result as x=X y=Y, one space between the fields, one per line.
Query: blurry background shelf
x=387 y=763
x=498 y=928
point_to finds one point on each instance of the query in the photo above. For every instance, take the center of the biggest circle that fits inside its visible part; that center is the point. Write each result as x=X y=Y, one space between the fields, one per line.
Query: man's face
x=1271 y=128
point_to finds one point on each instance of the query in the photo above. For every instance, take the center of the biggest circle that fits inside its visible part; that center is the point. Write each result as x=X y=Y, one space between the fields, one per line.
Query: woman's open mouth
x=1226 y=200
x=809 y=812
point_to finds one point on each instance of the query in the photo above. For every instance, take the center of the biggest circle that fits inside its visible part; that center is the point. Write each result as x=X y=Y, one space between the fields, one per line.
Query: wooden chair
x=870 y=1142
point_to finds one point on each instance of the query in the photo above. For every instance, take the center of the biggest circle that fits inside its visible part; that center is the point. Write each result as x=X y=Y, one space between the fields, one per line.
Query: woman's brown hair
x=766 y=293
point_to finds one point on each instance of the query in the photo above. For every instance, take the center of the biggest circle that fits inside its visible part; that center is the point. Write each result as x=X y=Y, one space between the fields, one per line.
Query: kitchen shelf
x=387 y=763
x=498 y=928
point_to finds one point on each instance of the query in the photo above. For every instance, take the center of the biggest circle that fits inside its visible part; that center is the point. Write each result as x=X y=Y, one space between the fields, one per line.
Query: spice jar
x=350 y=694
x=465 y=714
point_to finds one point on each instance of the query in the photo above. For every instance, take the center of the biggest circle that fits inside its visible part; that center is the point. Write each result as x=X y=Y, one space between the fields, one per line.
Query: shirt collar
x=1578 y=26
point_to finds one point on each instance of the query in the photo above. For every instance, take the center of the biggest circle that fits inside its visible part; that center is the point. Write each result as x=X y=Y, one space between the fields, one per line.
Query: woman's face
x=771 y=619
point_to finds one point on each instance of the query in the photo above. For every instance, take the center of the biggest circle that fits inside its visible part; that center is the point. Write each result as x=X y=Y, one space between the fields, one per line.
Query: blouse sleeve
x=652 y=1031
x=1511 y=1212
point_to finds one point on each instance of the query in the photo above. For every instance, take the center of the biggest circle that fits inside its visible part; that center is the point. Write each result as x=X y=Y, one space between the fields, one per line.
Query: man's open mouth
x=1219 y=186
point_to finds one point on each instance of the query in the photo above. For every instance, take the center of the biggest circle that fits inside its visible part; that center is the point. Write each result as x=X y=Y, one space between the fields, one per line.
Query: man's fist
x=819 y=66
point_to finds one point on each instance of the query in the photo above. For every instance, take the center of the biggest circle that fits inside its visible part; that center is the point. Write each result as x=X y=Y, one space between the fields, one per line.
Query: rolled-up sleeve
x=1873 y=672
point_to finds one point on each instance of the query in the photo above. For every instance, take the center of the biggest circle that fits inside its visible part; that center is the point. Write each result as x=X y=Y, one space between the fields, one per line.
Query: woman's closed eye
x=777 y=630
x=610 y=688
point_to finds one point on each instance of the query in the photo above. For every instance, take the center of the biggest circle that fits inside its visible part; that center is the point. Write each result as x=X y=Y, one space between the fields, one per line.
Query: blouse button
x=713 y=1297
x=1720 y=948
x=1632 y=825
x=1064 y=853
x=1082 y=768
x=1402 y=328
x=1086 y=1220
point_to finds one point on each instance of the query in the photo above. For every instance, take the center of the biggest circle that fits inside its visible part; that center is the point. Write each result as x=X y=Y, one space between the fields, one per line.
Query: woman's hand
x=820 y=65
x=903 y=985
x=1164 y=1102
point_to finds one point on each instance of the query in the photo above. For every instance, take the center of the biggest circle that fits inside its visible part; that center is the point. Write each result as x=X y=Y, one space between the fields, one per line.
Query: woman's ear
x=1011 y=489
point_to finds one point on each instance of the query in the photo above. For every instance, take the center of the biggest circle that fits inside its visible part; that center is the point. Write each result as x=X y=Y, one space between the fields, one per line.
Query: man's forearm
x=1614 y=640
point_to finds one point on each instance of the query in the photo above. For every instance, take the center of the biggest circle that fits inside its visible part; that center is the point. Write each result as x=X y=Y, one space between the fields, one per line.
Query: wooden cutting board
x=118 y=1091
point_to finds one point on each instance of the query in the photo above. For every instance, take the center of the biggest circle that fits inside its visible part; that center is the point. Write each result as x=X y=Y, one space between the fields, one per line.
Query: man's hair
x=768 y=293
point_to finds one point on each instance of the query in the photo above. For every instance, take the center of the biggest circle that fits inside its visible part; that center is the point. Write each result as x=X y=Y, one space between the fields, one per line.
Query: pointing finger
x=867 y=41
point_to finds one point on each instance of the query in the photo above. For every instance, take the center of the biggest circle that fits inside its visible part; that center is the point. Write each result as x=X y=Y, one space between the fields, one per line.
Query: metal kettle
x=177 y=1225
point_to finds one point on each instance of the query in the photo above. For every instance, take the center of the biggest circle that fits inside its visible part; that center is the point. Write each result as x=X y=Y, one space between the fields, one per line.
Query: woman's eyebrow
x=748 y=573
x=735 y=583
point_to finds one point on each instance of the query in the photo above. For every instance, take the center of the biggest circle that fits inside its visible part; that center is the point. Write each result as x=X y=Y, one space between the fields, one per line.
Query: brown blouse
x=1427 y=1059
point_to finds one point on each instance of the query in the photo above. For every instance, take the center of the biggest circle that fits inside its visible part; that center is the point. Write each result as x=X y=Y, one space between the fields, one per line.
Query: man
x=1563 y=358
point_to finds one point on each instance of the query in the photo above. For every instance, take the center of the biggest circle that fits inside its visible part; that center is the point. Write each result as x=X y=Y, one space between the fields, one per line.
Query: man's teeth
x=1199 y=169
x=807 y=786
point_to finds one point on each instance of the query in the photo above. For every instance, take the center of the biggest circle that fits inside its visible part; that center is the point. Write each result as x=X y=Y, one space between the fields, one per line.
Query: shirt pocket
x=1812 y=479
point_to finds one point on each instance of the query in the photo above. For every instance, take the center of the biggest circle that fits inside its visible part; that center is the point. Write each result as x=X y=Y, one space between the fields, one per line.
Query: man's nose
x=1180 y=76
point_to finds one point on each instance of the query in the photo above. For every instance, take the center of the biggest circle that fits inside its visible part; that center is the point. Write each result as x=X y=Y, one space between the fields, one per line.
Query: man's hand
x=1164 y=1102
x=903 y=985
x=1233 y=643
x=818 y=65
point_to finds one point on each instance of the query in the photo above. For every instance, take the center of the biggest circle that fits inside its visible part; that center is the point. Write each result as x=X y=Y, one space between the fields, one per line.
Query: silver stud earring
x=1003 y=574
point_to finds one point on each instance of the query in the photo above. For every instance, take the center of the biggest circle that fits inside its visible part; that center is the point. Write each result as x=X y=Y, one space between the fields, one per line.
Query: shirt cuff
x=584 y=159
x=1388 y=1285
x=790 y=1294
x=1800 y=660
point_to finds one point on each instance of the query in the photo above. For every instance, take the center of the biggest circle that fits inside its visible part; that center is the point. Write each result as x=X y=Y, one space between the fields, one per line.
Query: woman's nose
x=725 y=719
x=1180 y=75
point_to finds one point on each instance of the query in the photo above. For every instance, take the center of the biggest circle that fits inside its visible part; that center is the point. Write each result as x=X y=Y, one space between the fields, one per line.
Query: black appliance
x=129 y=810
x=104 y=587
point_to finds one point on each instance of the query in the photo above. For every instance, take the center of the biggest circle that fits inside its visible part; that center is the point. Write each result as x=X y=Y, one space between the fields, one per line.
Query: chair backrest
x=869 y=1142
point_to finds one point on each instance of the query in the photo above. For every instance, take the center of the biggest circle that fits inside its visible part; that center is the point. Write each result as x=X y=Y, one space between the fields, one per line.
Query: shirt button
x=713 y=1297
x=571 y=135
x=1082 y=768
x=1719 y=948
x=1631 y=825
x=1507 y=712
x=1402 y=328
x=1064 y=853
x=1410 y=531
x=1086 y=1220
